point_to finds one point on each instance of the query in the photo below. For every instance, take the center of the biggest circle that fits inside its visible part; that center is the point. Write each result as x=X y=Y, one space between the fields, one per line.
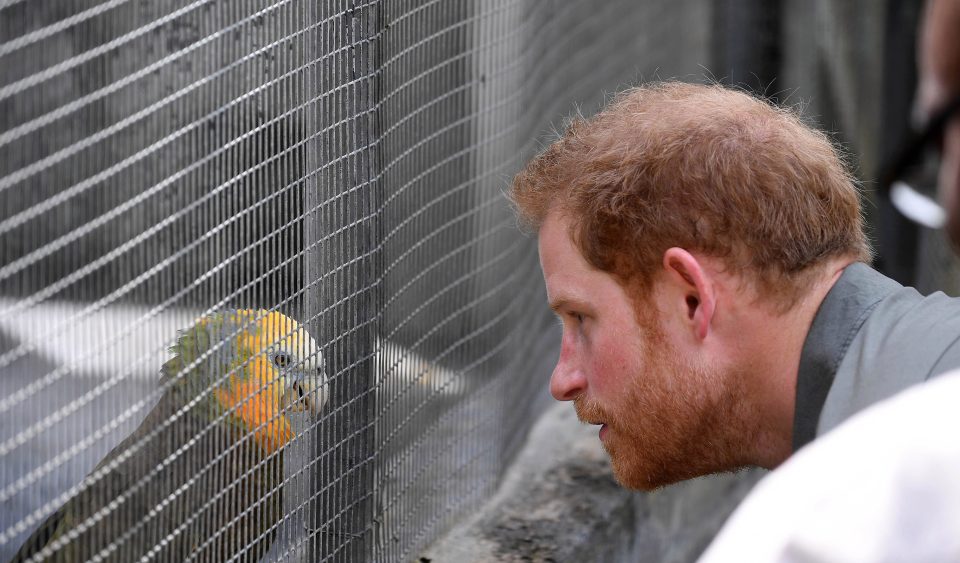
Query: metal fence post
x=342 y=272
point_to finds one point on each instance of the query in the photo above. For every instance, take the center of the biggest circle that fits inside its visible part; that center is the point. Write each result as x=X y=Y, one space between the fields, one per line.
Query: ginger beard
x=675 y=420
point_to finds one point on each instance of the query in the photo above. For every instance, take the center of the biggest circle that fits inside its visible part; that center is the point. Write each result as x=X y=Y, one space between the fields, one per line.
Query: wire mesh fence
x=176 y=173
x=261 y=296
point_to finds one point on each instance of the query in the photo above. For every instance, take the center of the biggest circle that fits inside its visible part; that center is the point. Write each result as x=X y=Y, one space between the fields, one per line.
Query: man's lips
x=603 y=426
x=591 y=413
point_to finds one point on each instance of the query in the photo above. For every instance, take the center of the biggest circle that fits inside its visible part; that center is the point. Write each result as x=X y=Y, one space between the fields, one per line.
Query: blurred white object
x=883 y=486
x=400 y=370
x=916 y=206
x=117 y=339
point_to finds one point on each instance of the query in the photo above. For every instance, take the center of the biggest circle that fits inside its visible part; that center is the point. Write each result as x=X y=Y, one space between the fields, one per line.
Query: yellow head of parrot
x=283 y=372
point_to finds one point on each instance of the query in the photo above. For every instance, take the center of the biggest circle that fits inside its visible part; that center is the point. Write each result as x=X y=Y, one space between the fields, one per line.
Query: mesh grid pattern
x=340 y=162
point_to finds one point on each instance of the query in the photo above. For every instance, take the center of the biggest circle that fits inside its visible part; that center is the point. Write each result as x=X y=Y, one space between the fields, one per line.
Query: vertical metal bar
x=310 y=85
x=341 y=190
x=360 y=494
x=313 y=264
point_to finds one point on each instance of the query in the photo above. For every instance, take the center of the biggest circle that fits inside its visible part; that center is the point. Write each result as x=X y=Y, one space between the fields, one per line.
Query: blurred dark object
x=747 y=44
x=897 y=236
x=909 y=181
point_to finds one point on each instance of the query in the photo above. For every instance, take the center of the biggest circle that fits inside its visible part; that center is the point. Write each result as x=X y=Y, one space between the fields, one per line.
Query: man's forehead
x=558 y=253
x=571 y=281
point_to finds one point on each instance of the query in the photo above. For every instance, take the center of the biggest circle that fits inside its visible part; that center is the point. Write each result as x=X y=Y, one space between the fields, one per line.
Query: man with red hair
x=705 y=253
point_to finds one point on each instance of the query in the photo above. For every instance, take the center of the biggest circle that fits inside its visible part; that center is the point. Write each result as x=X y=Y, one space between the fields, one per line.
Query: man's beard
x=675 y=421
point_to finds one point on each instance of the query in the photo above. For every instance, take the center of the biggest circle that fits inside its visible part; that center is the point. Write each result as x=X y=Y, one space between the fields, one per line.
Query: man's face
x=665 y=416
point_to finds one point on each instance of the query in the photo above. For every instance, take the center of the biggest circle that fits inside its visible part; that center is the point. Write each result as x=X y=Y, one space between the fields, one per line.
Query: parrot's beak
x=304 y=393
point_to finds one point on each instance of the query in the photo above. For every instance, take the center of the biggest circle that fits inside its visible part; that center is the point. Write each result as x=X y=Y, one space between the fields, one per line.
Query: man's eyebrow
x=566 y=302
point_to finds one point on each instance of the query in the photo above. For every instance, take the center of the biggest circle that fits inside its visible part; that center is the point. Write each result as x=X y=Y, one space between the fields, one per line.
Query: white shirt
x=884 y=486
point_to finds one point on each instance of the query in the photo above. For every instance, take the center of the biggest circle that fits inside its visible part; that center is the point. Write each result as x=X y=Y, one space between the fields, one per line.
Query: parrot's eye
x=281 y=359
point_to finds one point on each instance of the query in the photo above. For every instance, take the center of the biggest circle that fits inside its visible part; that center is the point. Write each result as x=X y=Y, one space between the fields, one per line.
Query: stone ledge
x=559 y=502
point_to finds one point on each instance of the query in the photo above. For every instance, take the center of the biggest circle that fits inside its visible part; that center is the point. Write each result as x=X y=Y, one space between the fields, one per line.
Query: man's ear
x=691 y=281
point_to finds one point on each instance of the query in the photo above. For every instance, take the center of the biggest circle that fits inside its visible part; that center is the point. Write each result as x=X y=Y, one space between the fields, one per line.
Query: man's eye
x=576 y=317
x=281 y=359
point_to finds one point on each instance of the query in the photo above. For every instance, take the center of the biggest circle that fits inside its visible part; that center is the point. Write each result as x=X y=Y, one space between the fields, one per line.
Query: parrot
x=201 y=478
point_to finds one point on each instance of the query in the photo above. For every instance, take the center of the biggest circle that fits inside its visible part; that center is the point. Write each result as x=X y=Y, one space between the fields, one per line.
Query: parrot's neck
x=255 y=407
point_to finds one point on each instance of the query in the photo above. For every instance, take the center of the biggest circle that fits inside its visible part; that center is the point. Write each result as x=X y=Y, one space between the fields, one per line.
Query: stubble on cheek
x=637 y=438
x=589 y=411
x=666 y=425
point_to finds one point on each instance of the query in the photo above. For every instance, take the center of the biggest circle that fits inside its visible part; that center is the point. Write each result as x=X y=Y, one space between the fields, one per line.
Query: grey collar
x=843 y=311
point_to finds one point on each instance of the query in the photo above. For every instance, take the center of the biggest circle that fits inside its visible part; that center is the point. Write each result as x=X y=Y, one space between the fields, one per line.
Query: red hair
x=704 y=168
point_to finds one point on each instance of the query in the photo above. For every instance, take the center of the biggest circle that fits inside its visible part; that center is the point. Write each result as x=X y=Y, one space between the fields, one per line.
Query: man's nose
x=567 y=381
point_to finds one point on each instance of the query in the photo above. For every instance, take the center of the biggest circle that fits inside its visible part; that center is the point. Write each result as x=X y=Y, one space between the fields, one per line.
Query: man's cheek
x=613 y=368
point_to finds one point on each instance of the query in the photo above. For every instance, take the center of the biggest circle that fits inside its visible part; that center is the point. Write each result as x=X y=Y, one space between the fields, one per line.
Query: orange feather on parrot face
x=277 y=367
